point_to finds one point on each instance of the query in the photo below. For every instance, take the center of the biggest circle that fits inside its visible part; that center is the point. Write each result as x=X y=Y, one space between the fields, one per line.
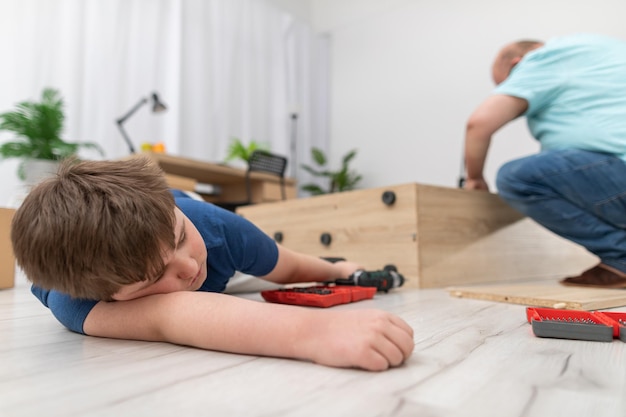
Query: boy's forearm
x=369 y=339
x=231 y=324
x=297 y=267
x=205 y=320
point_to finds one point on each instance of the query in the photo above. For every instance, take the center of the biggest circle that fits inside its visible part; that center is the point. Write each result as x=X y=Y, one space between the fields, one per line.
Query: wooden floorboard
x=472 y=358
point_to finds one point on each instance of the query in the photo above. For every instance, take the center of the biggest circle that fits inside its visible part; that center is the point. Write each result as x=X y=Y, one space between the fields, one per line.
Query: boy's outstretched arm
x=298 y=267
x=369 y=339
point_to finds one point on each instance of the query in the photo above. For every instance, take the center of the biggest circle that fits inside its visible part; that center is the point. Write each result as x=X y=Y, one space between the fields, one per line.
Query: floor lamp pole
x=294 y=144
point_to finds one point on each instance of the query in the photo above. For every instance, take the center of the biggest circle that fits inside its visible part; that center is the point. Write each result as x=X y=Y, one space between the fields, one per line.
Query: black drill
x=383 y=280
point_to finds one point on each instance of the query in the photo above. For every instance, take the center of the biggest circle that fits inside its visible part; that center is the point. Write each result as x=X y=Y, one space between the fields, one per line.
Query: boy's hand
x=346 y=268
x=370 y=339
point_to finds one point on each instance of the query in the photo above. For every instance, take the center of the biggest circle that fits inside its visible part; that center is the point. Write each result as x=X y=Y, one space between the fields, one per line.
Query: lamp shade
x=157 y=105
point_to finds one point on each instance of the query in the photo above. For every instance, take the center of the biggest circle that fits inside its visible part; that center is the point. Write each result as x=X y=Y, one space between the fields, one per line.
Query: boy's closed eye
x=181 y=241
x=183 y=235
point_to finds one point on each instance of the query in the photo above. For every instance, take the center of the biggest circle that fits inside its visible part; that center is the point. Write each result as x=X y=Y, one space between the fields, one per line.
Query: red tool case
x=319 y=295
x=578 y=325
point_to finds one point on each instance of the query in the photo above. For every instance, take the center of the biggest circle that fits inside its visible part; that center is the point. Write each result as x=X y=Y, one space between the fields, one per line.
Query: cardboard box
x=7 y=259
x=435 y=236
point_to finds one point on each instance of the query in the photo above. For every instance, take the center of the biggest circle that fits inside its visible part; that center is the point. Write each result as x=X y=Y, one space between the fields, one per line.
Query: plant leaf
x=38 y=126
x=348 y=157
x=237 y=150
x=313 y=189
x=318 y=156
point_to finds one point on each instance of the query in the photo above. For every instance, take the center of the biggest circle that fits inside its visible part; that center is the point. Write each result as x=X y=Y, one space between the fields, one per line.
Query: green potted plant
x=343 y=179
x=38 y=126
x=237 y=150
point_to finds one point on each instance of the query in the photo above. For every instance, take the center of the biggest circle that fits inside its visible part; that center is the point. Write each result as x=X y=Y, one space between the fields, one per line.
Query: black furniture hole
x=389 y=198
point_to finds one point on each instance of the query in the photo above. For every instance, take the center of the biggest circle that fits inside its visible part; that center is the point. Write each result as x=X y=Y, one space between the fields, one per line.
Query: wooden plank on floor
x=545 y=294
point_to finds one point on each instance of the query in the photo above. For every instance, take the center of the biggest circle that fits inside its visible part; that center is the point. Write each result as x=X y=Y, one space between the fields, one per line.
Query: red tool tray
x=578 y=325
x=319 y=295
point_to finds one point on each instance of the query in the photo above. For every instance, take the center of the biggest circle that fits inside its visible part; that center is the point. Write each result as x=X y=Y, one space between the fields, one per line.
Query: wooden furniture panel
x=545 y=294
x=435 y=236
x=7 y=260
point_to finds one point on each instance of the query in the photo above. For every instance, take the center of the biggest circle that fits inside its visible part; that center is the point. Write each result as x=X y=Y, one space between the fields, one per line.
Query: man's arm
x=369 y=339
x=489 y=116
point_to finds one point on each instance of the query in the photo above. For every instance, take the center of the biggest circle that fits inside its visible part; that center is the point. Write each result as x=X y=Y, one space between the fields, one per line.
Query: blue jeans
x=576 y=194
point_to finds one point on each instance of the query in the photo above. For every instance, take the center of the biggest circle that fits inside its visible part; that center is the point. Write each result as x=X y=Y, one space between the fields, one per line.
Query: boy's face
x=185 y=266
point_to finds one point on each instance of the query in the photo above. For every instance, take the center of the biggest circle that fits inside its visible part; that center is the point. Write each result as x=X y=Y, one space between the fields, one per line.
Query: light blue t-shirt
x=576 y=91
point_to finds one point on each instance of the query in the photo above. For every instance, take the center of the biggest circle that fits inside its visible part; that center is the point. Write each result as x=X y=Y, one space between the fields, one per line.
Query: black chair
x=264 y=162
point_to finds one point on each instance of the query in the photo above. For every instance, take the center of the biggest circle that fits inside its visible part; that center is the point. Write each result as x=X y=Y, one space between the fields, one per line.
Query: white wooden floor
x=472 y=358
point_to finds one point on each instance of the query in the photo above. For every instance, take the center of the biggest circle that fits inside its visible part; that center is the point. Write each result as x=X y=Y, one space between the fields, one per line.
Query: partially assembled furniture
x=435 y=236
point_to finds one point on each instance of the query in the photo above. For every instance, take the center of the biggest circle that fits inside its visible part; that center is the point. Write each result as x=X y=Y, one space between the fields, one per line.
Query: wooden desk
x=187 y=173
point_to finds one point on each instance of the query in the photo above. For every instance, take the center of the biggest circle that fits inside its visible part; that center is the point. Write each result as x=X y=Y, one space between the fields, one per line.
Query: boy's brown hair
x=94 y=227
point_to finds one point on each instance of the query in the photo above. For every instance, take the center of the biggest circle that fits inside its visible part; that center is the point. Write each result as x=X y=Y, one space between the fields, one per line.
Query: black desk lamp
x=157 y=107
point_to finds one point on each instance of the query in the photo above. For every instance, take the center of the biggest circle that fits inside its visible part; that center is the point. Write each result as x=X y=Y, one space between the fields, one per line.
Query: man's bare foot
x=601 y=275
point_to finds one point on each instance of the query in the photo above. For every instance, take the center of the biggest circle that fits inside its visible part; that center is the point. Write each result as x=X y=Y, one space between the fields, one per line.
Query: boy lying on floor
x=113 y=253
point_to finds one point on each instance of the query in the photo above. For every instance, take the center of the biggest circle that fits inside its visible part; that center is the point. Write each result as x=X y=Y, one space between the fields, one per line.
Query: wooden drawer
x=435 y=236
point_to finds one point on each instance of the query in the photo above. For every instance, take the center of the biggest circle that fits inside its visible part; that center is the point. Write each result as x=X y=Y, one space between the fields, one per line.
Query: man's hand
x=370 y=339
x=476 y=184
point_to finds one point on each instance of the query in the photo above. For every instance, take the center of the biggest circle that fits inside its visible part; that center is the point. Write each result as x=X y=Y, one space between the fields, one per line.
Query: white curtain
x=225 y=68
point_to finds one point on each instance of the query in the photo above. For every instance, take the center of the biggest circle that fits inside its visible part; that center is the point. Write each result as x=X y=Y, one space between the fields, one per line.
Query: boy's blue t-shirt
x=232 y=243
x=575 y=87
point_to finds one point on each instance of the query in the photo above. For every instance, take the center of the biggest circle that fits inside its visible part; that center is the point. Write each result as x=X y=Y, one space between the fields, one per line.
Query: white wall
x=300 y=9
x=407 y=73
